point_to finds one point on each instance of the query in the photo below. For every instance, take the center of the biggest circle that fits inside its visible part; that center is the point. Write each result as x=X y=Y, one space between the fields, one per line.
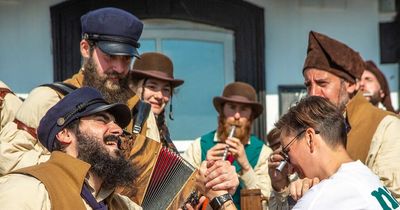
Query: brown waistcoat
x=364 y=119
x=63 y=177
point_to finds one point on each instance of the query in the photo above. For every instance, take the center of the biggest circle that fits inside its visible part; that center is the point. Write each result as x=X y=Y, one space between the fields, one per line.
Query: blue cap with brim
x=79 y=103
x=115 y=31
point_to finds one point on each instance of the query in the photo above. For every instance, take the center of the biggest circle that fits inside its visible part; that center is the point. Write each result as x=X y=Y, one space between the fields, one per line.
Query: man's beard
x=343 y=97
x=242 y=130
x=114 y=171
x=117 y=93
x=375 y=98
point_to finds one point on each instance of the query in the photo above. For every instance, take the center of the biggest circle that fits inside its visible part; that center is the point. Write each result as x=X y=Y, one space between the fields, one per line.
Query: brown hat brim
x=256 y=107
x=156 y=74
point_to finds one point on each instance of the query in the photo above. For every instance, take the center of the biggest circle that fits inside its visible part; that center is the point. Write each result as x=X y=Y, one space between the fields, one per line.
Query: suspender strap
x=87 y=195
x=140 y=112
x=61 y=87
x=4 y=92
x=23 y=126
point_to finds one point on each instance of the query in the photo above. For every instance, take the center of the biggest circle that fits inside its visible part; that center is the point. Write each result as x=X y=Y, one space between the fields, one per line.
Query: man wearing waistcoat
x=236 y=107
x=108 y=46
x=82 y=132
x=333 y=70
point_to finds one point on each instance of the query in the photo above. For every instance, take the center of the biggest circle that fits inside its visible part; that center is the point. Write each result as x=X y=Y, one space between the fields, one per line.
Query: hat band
x=80 y=107
x=98 y=37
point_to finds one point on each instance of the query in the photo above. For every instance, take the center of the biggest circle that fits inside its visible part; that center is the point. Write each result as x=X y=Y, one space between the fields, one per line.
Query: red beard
x=242 y=131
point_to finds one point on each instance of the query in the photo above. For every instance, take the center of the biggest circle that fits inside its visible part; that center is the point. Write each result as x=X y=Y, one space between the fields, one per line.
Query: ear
x=310 y=138
x=85 y=48
x=65 y=136
x=381 y=93
x=352 y=87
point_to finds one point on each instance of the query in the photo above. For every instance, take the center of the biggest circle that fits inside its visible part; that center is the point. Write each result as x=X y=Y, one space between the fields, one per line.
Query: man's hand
x=300 y=186
x=279 y=180
x=221 y=175
x=216 y=178
x=197 y=207
x=236 y=148
x=216 y=152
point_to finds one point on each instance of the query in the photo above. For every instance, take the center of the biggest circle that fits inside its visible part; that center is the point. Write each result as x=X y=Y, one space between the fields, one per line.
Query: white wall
x=25 y=44
x=288 y=22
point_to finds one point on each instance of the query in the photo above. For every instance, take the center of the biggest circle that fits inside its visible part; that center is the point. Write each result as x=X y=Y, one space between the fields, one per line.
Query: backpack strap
x=61 y=87
x=140 y=113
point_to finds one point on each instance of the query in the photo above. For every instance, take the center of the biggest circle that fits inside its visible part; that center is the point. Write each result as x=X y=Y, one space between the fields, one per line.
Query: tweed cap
x=239 y=92
x=155 y=65
x=325 y=53
x=115 y=31
x=386 y=100
x=81 y=102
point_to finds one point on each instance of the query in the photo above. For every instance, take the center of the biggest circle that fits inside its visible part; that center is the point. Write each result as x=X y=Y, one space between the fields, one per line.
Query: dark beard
x=114 y=171
x=242 y=131
x=121 y=94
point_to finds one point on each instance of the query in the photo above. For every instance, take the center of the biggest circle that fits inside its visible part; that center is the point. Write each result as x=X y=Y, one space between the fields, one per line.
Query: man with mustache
x=82 y=132
x=108 y=46
x=375 y=87
x=237 y=107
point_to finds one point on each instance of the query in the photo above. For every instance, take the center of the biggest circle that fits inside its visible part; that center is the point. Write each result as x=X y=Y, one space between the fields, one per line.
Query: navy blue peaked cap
x=115 y=31
x=81 y=102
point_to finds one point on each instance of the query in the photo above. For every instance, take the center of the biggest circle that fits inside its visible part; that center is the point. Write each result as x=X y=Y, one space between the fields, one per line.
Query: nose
x=119 y=64
x=114 y=128
x=158 y=95
x=237 y=115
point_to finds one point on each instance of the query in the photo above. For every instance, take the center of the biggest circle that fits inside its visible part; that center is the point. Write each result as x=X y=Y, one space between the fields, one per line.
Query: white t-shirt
x=353 y=186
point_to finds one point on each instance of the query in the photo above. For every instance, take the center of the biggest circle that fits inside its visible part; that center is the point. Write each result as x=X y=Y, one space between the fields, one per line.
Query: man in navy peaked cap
x=83 y=132
x=110 y=39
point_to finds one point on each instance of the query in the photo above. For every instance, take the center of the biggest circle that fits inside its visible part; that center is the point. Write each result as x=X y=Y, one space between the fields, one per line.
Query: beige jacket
x=18 y=191
x=9 y=105
x=19 y=149
x=256 y=178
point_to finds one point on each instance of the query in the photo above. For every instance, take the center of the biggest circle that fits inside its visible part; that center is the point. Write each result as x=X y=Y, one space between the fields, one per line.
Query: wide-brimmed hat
x=155 y=65
x=81 y=102
x=239 y=92
x=115 y=31
x=330 y=55
x=386 y=100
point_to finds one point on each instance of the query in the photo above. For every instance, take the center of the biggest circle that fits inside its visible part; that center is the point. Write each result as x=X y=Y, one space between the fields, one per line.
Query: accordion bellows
x=165 y=179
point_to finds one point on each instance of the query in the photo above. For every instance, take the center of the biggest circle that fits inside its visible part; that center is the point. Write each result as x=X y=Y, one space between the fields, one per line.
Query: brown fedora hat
x=155 y=65
x=239 y=92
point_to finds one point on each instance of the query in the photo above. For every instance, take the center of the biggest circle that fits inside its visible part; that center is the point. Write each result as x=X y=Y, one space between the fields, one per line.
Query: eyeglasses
x=286 y=149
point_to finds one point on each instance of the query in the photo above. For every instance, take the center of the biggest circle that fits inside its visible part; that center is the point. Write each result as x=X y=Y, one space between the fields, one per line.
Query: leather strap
x=4 y=92
x=140 y=112
x=22 y=126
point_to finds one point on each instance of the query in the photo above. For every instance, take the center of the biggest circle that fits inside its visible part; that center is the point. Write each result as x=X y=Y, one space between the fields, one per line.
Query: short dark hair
x=74 y=127
x=318 y=113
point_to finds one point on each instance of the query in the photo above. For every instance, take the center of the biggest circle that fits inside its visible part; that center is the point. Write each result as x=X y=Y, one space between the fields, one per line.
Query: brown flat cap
x=239 y=92
x=327 y=54
x=155 y=65
x=386 y=101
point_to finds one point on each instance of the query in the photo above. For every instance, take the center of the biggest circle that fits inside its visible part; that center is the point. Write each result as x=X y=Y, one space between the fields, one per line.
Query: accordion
x=165 y=180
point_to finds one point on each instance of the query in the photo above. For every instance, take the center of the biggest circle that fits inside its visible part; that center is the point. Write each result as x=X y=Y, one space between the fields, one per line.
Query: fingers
x=299 y=187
